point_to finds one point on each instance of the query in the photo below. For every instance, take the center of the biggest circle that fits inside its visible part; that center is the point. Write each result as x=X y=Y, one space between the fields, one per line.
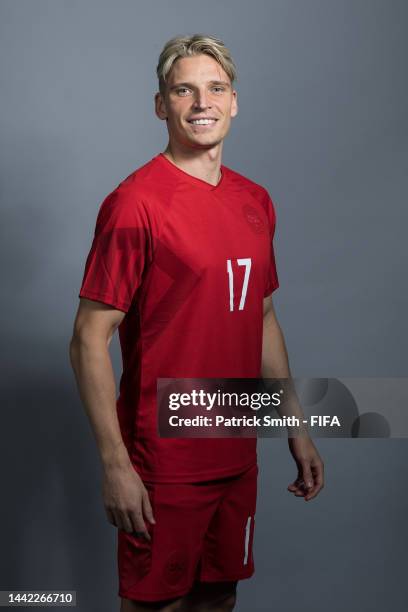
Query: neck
x=204 y=164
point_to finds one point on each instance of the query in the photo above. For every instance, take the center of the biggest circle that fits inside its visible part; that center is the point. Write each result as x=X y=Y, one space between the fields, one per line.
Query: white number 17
x=246 y=261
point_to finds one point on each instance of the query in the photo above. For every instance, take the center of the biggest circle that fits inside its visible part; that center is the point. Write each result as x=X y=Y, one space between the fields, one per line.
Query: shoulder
x=137 y=186
x=130 y=200
x=243 y=183
x=259 y=196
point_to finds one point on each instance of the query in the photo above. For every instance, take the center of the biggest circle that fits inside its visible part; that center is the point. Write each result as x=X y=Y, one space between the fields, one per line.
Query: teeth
x=202 y=121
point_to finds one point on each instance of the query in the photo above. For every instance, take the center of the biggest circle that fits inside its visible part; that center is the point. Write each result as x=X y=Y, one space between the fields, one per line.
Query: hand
x=126 y=500
x=310 y=479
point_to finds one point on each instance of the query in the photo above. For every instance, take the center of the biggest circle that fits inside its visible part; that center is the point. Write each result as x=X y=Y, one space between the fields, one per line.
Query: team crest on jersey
x=176 y=567
x=254 y=220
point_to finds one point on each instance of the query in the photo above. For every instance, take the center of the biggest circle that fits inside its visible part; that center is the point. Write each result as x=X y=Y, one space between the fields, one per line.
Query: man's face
x=197 y=87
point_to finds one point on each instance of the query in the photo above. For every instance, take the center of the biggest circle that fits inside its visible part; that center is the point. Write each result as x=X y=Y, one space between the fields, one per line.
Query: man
x=182 y=263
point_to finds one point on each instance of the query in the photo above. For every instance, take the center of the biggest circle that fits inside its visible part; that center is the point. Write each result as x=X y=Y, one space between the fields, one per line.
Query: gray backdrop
x=322 y=125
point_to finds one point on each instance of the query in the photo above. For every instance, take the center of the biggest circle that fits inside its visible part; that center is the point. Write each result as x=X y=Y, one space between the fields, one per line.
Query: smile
x=202 y=121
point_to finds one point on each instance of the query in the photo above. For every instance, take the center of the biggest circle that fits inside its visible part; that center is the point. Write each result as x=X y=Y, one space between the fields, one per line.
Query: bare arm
x=125 y=497
x=275 y=364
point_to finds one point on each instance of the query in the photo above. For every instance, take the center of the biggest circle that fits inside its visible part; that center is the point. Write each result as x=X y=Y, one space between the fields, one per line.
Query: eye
x=218 y=88
x=180 y=90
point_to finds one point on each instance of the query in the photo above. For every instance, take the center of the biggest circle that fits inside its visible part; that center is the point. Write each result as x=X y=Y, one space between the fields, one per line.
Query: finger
x=296 y=486
x=125 y=521
x=298 y=482
x=307 y=476
x=118 y=519
x=314 y=492
x=138 y=524
x=297 y=490
x=318 y=471
x=319 y=483
x=110 y=516
x=121 y=520
x=147 y=508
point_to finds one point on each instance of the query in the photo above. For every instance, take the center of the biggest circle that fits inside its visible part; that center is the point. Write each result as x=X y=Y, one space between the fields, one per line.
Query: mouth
x=203 y=122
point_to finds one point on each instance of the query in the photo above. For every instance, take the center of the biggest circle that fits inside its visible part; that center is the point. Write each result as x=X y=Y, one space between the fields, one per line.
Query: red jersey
x=190 y=264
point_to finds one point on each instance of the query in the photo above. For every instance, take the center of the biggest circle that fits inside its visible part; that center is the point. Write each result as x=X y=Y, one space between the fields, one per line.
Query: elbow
x=270 y=321
x=73 y=350
x=80 y=340
x=86 y=344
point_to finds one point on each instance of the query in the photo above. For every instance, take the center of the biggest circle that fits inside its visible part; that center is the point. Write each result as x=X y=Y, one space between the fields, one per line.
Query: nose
x=200 y=100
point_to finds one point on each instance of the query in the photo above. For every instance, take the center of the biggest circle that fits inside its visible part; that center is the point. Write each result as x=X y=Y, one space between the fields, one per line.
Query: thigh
x=166 y=567
x=228 y=543
x=170 y=605
x=210 y=596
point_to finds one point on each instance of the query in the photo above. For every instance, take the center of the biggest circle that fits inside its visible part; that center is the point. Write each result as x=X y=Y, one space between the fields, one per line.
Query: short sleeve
x=120 y=251
x=272 y=281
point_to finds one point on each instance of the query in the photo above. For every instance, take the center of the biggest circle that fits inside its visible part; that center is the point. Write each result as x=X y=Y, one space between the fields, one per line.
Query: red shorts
x=203 y=531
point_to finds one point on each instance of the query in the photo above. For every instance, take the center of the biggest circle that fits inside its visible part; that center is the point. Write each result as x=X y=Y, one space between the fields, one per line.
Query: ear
x=234 y=104
x=160 y=106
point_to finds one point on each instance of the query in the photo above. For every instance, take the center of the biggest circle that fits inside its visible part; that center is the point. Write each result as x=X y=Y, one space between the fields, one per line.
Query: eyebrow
x=225 y=83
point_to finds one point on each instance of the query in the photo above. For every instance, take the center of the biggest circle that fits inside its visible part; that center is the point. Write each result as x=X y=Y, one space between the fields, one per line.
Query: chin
x=206 y=145
x=207 y=139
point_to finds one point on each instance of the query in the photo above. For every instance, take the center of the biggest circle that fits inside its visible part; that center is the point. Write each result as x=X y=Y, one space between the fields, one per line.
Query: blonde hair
x=186 y=46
